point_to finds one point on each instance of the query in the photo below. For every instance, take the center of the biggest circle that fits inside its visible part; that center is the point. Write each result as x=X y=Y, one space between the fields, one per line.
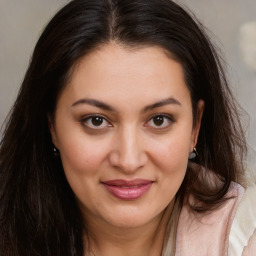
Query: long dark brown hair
x=38 y=211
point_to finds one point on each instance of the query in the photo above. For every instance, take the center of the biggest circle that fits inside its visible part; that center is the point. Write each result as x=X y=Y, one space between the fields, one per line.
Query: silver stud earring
x=56 y=152
x=193 y=154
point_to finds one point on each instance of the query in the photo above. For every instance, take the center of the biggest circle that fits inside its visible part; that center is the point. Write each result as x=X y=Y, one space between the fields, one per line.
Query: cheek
x=82 y=166
x=82 y=156
x=172 y=161
x=172 y=153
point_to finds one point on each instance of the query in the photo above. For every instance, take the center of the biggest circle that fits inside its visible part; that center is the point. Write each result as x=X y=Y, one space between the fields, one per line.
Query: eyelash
x=87 y=121
x=166 y=118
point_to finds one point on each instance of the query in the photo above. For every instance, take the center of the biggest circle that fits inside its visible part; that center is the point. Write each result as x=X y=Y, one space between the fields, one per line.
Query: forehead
x=113 y=71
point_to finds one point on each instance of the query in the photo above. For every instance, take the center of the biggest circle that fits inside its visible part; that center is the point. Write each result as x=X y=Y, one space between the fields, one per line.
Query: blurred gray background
x=232 y=23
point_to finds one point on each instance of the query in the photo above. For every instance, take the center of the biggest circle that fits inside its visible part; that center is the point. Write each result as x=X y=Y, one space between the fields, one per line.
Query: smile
x=127 y=190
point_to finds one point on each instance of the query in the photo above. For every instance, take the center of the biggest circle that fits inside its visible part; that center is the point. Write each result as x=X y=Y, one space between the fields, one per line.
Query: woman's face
x=124 y=129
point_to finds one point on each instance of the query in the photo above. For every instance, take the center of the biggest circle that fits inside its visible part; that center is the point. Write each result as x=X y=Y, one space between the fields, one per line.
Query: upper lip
x=127 y=183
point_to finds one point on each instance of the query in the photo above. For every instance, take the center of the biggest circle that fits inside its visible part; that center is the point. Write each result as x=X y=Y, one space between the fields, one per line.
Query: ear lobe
x=52 y=130
x=197 y=125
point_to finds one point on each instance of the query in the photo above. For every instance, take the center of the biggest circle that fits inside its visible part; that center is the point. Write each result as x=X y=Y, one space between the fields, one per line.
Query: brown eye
x=160 y=121
x=95 y=122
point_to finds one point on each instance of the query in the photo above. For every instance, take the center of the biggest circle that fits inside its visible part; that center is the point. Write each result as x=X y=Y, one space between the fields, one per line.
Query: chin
x=131 y=219
x=129 y=223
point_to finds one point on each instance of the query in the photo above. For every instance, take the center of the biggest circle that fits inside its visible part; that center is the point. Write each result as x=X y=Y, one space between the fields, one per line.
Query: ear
x=52 y=130
x=197 y=124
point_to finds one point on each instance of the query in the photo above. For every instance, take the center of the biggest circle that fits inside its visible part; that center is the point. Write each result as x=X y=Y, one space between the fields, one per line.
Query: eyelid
x=167 y=116
x=84 y=119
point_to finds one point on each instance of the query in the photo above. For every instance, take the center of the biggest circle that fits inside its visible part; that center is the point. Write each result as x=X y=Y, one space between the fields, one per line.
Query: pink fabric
x=208 y=235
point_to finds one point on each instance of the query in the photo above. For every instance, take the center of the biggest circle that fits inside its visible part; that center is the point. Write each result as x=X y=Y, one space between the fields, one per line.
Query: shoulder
x=242 y=239
x=208 y=234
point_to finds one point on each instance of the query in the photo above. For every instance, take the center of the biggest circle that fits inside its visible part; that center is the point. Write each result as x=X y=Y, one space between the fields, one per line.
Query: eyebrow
x=102 y=105
x=93 y=102
x=161 y=103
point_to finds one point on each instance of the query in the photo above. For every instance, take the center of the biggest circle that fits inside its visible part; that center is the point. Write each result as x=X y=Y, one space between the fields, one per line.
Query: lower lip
x=128 y=193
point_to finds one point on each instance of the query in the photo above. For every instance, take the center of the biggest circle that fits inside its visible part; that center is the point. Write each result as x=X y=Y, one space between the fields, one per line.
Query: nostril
x=128 y=153
x=127 y=162
x=114 y=158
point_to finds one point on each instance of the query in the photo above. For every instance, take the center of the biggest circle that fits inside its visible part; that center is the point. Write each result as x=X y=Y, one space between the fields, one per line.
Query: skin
x=127 y=143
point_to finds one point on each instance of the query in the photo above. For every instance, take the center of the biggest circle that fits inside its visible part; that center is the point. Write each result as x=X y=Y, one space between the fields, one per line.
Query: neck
x=147 y=240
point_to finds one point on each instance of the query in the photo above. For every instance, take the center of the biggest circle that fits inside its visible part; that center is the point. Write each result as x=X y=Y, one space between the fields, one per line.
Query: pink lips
x=128 y=190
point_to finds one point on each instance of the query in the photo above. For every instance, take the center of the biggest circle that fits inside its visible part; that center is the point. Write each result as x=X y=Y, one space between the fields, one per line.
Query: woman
x=124 y=138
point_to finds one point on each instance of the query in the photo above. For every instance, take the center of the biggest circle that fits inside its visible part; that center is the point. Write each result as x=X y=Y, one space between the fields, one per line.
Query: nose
x=128 y=151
